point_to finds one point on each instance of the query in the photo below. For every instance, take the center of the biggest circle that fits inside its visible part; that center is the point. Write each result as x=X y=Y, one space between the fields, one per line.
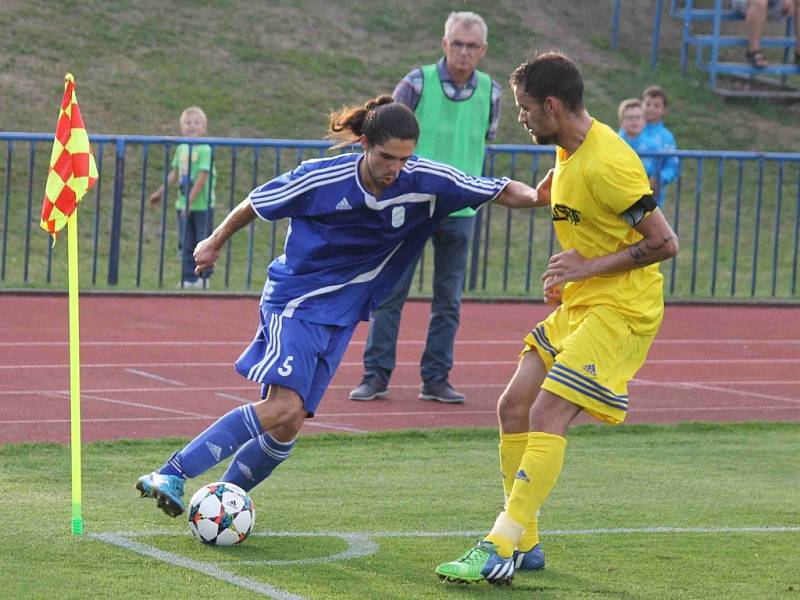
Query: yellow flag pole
x=74 y=375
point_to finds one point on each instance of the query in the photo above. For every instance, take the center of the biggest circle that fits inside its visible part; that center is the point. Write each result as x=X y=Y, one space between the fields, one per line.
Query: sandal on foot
x=756 y=58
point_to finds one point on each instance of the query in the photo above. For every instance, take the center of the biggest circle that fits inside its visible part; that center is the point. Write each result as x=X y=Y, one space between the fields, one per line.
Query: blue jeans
x=195 y=227
x=450 y=243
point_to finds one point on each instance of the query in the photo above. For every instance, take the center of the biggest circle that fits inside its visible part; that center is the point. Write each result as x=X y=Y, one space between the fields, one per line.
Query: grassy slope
x=273 y=69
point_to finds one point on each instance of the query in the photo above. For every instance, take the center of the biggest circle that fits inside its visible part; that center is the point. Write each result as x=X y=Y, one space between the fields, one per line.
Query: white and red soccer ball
x=221 y=514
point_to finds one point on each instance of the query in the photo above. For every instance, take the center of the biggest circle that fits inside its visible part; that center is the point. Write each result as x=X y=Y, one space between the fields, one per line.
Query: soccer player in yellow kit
x=581 y=357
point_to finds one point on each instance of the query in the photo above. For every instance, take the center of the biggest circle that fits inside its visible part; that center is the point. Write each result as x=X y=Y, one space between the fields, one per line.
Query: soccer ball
x=221 y=514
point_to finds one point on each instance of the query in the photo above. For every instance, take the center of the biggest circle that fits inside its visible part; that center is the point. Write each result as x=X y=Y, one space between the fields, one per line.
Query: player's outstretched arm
x=659 y=243
x=518 y=195
x=207 y=251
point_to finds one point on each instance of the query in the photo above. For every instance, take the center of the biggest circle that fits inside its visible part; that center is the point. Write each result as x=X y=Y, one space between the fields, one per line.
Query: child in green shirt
x=192 y=167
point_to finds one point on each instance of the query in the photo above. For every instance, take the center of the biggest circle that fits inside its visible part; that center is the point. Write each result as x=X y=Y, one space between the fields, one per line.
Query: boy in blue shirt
x=357 y=222
x=655 y=137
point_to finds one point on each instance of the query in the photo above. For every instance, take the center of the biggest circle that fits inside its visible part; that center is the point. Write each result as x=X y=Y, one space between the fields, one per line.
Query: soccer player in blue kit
x=357 y=221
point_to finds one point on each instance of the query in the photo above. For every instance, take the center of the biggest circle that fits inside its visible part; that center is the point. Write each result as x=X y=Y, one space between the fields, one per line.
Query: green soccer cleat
x=479 y=563
x=166 y=489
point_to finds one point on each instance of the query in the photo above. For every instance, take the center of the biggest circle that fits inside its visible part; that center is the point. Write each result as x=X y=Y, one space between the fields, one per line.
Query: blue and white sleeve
x=288 y=195
x=456 y=190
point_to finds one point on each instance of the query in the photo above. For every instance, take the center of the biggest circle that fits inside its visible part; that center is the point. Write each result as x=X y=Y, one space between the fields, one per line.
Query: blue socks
x=215 y=444
x=256 y=460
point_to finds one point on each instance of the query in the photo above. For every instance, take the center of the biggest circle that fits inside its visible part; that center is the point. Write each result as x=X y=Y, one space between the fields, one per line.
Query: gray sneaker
x=370 y=388
x=441 y=391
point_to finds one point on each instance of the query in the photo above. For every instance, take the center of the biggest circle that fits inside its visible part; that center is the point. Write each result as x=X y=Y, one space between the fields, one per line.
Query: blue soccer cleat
x=477 y=564
x=166 y=489
x=531 y=560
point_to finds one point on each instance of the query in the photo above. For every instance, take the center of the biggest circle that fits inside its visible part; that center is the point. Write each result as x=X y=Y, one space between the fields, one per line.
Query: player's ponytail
x=378 y=120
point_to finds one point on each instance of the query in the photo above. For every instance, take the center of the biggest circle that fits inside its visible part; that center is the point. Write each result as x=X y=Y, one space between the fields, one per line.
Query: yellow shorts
x=590 y=354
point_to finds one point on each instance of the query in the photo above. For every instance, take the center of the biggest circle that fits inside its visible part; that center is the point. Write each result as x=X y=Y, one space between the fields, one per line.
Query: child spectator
x=195 y=201
x=655 y=137
x=631 y=121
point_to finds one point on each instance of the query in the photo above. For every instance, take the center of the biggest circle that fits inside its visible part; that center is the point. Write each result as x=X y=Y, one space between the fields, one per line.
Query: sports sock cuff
x=272 y=447
x=551 y=438
x=514 y=437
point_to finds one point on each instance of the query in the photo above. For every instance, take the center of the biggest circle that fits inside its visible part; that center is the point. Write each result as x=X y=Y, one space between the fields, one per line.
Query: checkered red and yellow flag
x=72 y=169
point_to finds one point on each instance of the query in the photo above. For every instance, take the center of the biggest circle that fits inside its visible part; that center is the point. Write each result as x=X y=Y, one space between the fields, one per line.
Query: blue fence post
x=116 y=213
x=656 y=34
x=6 y=207
x=615 y=25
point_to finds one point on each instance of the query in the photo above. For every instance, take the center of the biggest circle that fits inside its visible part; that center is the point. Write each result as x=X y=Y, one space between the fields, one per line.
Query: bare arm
x=207 y=251
x=659 y=243
x=156 y=196
x=520 y=195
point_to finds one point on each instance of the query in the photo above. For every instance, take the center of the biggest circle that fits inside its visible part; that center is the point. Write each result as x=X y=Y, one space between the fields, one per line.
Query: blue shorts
x=296 y=354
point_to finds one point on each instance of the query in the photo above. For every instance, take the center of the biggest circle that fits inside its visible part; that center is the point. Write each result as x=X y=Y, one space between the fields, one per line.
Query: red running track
x=163 y=366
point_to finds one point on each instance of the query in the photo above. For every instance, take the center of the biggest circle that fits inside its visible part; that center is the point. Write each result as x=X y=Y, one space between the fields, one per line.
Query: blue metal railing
x=737 y=214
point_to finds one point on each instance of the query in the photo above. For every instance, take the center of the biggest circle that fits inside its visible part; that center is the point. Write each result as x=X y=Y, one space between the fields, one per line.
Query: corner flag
x=71 y=174
x=72 y=170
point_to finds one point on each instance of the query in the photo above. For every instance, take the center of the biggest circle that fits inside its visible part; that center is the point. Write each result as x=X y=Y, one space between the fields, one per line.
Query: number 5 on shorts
x=286 y=368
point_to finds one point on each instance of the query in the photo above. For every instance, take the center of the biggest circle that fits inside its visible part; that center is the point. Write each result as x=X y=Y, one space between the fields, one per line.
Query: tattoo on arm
x=641 y=251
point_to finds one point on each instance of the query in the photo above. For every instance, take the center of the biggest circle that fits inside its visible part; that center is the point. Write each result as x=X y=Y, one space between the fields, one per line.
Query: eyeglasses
x=632 y=117
x=459 y=45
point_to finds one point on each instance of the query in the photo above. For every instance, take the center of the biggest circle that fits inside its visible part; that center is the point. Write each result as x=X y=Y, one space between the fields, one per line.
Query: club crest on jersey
x=398 y=216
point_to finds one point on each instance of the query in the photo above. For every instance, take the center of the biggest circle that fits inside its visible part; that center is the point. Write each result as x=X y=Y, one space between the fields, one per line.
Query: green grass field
x=402 y=502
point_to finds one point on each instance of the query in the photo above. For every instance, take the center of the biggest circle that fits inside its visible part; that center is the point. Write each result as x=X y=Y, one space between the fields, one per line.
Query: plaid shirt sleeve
x=494 y=113
x=409 y=90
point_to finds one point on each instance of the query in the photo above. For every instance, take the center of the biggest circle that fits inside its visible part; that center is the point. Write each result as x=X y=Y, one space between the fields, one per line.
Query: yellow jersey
x=591 y=189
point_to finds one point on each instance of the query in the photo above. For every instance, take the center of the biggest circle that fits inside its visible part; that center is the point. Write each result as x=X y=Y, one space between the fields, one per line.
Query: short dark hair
x=655 y=91
x=379 y=120
x=551 y=74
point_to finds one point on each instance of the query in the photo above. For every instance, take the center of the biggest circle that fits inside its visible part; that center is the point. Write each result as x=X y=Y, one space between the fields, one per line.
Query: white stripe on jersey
x=468 y=183
x=288 y=311
x=429 y=166
x=302 y=184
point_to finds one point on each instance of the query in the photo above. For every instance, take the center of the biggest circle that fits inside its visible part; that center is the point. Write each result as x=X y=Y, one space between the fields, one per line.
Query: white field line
x=361 y=544
x=398 y=386
x=194 y=565
x=336 y=427
x=238 y=399
x=133 y=404
x=128 y=343
x=154 y=376
x=466 y=363
x=716 y=388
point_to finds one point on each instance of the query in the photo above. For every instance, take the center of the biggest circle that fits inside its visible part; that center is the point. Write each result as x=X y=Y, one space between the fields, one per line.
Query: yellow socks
x=512 y=447
x=534 y=480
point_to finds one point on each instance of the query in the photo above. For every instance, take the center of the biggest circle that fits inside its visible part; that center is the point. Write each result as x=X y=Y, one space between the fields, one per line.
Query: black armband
x=634 y=215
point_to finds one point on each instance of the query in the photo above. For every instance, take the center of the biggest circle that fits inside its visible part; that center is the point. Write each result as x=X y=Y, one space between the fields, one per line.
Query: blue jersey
x=345 y=249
